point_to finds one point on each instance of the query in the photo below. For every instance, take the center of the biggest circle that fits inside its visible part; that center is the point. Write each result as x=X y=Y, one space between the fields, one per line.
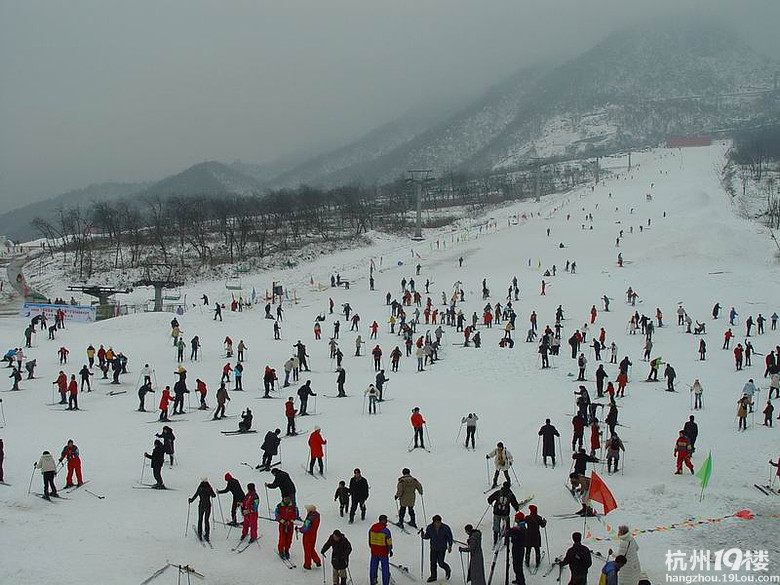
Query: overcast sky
x=133 y=90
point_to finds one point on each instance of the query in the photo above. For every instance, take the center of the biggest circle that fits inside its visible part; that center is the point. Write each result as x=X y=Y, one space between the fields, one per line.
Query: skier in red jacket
x=165 y=400
x=316 y=443
x=286 y=513
x=71 y=453
x=309 y=530
x=289 y=412
x=418 y=423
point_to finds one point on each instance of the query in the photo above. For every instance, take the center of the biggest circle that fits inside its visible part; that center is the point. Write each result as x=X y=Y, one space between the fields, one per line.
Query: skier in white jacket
x=502 y=459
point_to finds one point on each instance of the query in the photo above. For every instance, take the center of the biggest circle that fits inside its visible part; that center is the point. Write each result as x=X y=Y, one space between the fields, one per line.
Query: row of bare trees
x=210 y=230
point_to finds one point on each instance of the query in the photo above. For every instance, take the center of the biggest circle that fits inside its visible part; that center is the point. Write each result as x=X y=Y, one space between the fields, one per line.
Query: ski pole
x=186 y=525
x=547 y=545
x=422 y=554
x=517 y=479
x=427 y=434
x=267 y=500
x=32 y=476
x=536 y=457
x=422 y=501
x=143 y=467
x=324 y=581
x=483 y=515
x=364 y=405
x=220 y=509
x=487 y=470
x=462 y=567
x=460 y=428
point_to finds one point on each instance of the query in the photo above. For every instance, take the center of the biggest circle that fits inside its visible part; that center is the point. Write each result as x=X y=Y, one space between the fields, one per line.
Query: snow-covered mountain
x=638 y=86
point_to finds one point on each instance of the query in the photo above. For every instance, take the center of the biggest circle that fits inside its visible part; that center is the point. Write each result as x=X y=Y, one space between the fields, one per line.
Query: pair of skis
x=766 y=490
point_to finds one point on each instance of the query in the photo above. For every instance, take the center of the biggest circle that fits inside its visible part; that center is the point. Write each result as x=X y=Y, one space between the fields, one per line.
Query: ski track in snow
x=130 y=534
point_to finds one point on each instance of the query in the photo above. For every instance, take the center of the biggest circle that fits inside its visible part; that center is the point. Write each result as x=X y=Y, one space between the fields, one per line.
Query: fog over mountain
x=96 y=91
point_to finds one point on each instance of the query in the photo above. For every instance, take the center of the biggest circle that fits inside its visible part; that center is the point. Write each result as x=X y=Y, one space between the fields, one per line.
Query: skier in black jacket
x=548 y=433
x=158 y=458
x=234 y=487
x=503 y=501
x=358 y=491
x=284 y=483
x=270 y=447
x=204 y=493
x=578 y=559
x=581 y=460
x=517 y=536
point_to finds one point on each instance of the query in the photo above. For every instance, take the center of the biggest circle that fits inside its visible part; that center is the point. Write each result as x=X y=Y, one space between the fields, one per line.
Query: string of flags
x=691 y=522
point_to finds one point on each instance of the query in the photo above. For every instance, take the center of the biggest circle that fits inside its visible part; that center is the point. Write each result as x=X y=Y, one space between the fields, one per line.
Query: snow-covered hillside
x=691 y=249
x=635 y=88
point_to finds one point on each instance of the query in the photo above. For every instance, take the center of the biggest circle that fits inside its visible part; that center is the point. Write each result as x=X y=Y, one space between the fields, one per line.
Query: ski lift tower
x=159 y=276
x=419 y=178
x=101 y=293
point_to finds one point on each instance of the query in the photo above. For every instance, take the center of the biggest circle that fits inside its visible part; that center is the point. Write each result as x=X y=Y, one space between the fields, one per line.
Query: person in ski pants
x=249 y=509
x=309 y=530
x=203 y=494
x=381 y=544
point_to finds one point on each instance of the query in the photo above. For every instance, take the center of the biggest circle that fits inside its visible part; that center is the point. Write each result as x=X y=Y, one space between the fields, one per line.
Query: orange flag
x=599 y=492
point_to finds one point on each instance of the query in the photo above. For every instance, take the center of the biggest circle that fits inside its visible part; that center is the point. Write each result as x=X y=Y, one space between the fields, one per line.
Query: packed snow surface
x=696 y=251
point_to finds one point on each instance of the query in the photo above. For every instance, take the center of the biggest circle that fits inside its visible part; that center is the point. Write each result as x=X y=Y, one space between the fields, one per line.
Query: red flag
x=599 y=492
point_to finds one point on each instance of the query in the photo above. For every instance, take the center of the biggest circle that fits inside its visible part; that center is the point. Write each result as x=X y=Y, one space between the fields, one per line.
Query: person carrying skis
x=270 y=448
x=309 y=531
x=303 y=396
x=358 y=492
x=48 y=470
x=203 y=494
x=502 y=460
x=316 y=453
x=339 y=559
x=503 y=501
x=157 y=459
x=533 y=538
x=250 y=505
x=548 y=433
x=380 y=542
x=418 y=423
x=71 y=453
x=578 y=559
x=440 y=537
x=683 y=450
x=233 y=486
x=406 y=493
x=518 y=535
x=286 y=514
x=471 y=428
